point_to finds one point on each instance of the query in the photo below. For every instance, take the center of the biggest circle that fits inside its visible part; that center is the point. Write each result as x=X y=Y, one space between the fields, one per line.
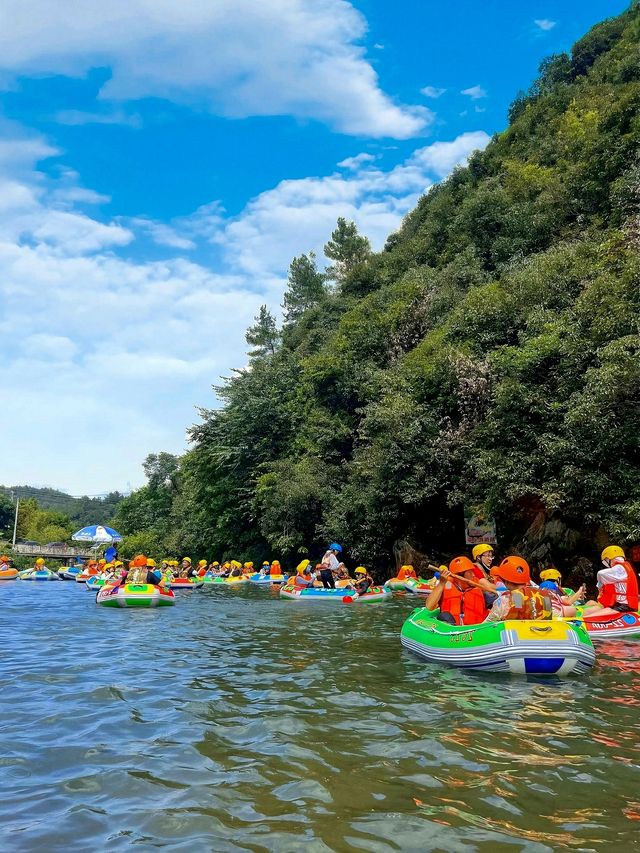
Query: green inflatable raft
x=525 y=647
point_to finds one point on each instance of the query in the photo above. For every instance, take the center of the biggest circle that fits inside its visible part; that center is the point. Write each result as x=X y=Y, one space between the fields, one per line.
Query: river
x=236 y=721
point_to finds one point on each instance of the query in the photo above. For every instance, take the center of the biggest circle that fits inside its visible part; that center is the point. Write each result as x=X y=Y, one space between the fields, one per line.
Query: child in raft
x=363 y=581
x=562 y=605
x=305 y=578
x=521 y=600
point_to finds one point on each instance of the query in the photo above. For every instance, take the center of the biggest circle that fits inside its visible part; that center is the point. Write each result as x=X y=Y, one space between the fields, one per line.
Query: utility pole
x=15 y=523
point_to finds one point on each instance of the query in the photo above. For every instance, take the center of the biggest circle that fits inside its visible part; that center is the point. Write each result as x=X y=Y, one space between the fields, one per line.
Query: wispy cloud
x=432 y=91
x=544 y=24
x=357 y=161
x=474 y=92
x=79 y=117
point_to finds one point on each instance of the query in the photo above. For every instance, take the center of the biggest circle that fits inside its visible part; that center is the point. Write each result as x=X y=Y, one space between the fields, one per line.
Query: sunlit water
x=237 y=721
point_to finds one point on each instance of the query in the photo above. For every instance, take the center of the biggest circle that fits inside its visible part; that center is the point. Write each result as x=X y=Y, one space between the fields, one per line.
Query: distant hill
x=81 y=510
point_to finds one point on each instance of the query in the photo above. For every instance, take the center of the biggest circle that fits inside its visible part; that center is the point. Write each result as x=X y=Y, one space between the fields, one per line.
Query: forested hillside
x=487 y=357
x=48 y=514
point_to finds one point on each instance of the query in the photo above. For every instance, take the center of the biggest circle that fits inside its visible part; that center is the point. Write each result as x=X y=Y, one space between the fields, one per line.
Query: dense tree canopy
x=488 y=357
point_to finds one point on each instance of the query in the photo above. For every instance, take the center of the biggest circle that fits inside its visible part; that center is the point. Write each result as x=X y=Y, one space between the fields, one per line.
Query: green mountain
x=486 y=358
x=80 y=511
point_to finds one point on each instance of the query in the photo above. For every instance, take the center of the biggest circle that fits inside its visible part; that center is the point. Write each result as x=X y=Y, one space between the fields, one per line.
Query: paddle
x=432 y=568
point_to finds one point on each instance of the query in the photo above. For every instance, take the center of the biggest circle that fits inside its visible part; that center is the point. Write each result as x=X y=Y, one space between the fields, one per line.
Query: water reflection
x=236 y=721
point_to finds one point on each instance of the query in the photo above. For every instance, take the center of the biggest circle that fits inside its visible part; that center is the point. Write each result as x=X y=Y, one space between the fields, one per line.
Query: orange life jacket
x=466 y=606
x=302 y=583
x=528 y=603
x=403 y=574
x=622 y=592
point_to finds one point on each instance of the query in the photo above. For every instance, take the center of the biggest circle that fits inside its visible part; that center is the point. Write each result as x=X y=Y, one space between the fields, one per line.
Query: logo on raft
x=621 y=622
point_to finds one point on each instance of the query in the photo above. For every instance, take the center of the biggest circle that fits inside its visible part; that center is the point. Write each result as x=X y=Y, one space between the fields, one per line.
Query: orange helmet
x=513 y=570
x=4 y=559
x=460 y=565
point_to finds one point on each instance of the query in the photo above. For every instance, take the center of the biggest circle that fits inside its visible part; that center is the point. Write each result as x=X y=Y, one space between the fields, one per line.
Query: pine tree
x=306 y=287
x=347 y=249
x=264 y=335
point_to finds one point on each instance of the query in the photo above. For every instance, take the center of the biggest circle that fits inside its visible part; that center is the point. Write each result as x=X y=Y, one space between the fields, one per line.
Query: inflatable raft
x=339 y=596
x=8 y=574
x=612 y=627
x=267 y=580
x=231 y=581
x=419 y=586
x=524 y=647
x=96 y=582
x=396 y=584
x=70 y=573
x=38 y=575
x=135 y=595
x=183 y=583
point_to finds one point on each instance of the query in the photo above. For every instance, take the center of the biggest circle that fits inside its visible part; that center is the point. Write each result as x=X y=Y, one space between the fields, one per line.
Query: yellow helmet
x=215 y=563
x=118 y=563
x=151 y=564
x=186 y=560
x=40 y=561
x=202 y=562
x=550 y=575
x=360 y=570
x=479 y=550
x=102 y=561
x=611 y=552
x=302 y=566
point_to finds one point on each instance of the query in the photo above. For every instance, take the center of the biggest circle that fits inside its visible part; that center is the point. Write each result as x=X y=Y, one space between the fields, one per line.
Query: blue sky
x=160 y=164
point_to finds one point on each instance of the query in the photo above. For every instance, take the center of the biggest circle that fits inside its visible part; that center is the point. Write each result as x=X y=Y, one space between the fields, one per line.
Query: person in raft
x=483 y=558
x=40 y=566
x=141 y=570
x=305 y=578
x=342 y=572
x=406 y=572
x=363 y=581
x=236 y=569
x=456 y=594
x=186 y=569
x=275 y=568
x=617 y=586
x=562 y=605
x=330 y=565
x=521 y=600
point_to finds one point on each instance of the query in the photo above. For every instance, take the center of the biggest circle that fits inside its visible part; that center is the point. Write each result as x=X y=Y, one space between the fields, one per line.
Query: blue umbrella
x=97 y=534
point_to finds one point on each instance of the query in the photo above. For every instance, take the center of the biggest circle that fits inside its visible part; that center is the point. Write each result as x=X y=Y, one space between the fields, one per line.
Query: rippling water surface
x=237 y=721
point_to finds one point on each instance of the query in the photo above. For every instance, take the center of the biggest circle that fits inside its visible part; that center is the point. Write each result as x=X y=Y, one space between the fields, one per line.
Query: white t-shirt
x=330 y=561
x=611 y=574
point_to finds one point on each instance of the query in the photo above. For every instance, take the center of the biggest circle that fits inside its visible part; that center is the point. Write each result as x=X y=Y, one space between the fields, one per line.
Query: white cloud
x=234 y=57
x=544 y=24
x=357 y=161
x=474 y=92
x=298 y=215
x=111 y=354
x=163 y=234
x=432 y=91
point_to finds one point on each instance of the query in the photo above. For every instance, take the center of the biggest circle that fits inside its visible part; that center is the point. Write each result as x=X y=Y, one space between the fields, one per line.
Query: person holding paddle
x=458 y=594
